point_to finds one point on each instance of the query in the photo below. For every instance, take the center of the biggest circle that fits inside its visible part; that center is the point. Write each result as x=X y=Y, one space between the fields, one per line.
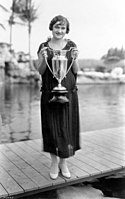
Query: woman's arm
x=41 y=63
x=75 y=66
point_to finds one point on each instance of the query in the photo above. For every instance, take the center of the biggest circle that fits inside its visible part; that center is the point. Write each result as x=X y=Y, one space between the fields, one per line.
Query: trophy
x=59 y=71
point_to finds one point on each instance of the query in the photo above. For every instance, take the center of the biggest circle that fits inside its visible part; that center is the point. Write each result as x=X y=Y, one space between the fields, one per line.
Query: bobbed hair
x=61 y=19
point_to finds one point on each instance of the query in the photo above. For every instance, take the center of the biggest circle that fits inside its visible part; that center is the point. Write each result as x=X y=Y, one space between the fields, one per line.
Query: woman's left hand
x=74 y=53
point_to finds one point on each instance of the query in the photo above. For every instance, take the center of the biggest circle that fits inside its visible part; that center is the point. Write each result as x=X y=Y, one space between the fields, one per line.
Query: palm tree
x=12 y=22
x=27 y=13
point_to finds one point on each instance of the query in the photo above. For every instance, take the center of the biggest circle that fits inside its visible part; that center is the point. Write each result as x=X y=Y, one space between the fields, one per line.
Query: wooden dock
x=24 y=169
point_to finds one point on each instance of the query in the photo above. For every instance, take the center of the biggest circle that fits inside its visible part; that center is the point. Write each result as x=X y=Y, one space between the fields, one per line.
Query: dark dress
x=60 y=122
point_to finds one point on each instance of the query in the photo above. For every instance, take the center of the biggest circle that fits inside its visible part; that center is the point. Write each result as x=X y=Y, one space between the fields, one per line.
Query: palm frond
x=29 y=15
x=5 y=9
x=2 y=26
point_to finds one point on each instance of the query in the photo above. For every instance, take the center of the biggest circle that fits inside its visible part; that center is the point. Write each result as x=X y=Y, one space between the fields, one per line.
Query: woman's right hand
x=43 y=53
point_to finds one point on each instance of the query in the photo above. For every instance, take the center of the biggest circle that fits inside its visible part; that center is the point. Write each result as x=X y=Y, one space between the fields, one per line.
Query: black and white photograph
x=62 y=99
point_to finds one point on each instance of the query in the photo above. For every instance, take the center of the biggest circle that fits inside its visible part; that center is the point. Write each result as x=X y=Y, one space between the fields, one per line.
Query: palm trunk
x=10 y=36
x=29 y=29
x=30 y=60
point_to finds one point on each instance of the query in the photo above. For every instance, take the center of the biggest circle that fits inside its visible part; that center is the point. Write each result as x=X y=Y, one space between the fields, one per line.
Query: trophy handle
x=48 y=64
x=71 y=48
x=47 y=61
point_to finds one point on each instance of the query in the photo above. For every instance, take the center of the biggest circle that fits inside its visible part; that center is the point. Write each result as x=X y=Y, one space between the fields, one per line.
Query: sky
x=95 y=25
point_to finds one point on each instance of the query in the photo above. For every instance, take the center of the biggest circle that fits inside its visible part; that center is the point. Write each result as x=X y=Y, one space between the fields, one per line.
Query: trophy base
x=59 y=89
x=59 y=97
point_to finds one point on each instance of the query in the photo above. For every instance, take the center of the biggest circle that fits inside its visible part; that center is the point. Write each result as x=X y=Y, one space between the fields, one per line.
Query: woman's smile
x=59 y=30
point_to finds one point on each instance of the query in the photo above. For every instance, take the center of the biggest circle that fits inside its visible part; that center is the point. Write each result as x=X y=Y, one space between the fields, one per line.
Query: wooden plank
x=93 y=163
x=105 y=145
x=41 y=181
x=110 y=138
x=85 y=167
x=34 y=145
x=21 y=153
x=32 y=152
x=78 y=172
x=44 y=171
x=30 y=160
x=3 y=192
x=103 y=150
x=105 y=160
x=27 y=148
x=44 y=160
x=114 y=141
x=113 y=159
x=37 y=165
x=118 y=132
x=25 y=182
x=9 y=184
x=30 y=172
x=41 y=158
x=37 y=146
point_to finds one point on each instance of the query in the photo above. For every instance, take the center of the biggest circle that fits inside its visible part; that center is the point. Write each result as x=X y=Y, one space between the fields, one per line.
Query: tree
x=27 y=12
x=12 y=22
x=115 y=54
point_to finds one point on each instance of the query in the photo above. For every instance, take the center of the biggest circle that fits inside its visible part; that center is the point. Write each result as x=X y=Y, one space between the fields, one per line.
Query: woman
x=60 y=121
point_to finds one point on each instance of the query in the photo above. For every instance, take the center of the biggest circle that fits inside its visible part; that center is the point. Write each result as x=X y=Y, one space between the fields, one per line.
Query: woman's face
x=59 y=30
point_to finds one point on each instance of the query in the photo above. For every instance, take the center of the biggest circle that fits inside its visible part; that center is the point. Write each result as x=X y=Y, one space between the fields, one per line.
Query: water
x=101 y=106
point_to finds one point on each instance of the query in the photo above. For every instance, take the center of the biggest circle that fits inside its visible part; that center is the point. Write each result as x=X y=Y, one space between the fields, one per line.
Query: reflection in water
x=19 y=108
x=101 y=106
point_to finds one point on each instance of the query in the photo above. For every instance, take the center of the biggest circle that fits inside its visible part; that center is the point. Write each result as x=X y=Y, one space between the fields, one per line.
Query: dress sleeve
x=42 y=45
x=72 y=44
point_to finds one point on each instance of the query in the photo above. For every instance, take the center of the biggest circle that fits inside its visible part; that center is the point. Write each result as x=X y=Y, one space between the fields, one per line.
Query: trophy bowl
x=59 y=68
